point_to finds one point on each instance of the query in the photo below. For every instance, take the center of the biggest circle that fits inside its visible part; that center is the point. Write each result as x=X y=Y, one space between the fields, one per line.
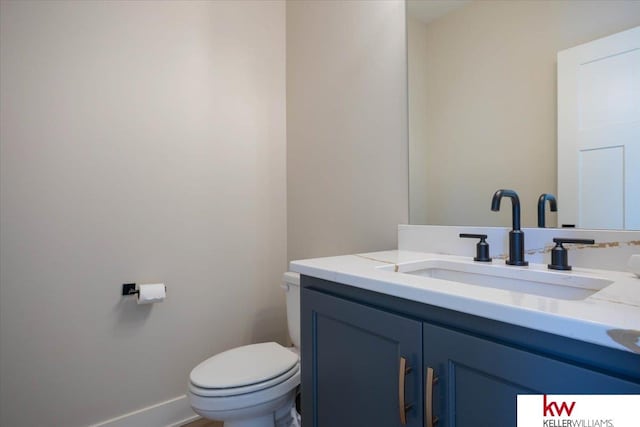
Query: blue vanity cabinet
x=353 y=341
x=352 y=373
x=478 y=380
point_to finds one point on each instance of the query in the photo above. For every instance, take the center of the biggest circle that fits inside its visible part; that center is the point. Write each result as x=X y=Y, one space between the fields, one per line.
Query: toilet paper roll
x=152 y=292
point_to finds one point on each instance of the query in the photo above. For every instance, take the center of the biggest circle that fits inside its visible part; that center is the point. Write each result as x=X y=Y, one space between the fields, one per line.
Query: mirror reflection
x=483 y=101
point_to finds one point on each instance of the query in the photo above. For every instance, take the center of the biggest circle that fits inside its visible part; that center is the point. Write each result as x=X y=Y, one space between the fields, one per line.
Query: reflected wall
x=482 y=97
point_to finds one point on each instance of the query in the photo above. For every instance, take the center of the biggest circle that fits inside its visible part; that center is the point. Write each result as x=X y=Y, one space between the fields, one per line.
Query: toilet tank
x=291 y=286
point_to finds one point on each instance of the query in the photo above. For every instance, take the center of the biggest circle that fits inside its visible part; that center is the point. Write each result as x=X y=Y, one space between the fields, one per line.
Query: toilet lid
x=243 y=366
x=292 y=376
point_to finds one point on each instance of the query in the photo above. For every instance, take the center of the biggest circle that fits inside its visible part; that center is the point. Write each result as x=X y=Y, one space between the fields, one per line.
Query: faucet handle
x=482 y=248
x=560 y=255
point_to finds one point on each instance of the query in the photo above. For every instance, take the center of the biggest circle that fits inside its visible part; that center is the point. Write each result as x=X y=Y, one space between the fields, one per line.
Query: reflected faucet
x=516 y=236
x=553 y=207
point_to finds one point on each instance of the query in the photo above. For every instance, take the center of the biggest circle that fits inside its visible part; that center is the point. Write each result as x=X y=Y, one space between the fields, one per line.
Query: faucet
x=553 y=207
x=516 y=236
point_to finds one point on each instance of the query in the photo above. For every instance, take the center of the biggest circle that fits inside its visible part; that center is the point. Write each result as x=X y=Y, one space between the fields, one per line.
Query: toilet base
x=266 y=421
x=277 y=413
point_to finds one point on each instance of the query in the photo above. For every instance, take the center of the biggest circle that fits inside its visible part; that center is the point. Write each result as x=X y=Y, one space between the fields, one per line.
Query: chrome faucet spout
x=516 y=235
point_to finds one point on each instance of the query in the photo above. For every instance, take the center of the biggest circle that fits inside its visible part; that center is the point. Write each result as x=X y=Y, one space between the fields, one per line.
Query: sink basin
x=562 y=285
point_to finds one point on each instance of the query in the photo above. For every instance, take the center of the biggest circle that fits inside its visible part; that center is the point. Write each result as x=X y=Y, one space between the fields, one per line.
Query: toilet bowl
x=253 y=385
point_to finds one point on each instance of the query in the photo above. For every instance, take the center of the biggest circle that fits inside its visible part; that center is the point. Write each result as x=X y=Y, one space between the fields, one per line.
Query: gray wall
x=142 y=142
x=346 y=126
x=490 y=116
x=417 y=73
x=145 y=141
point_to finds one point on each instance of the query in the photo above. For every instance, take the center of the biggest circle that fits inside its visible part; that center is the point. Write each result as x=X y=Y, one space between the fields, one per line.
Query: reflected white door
x=599 y=133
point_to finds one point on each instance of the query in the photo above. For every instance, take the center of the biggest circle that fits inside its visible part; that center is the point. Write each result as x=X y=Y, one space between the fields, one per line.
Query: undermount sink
x=562 y=285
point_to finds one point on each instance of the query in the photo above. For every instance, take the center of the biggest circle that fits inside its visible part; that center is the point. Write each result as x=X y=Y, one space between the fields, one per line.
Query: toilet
x=254 y=385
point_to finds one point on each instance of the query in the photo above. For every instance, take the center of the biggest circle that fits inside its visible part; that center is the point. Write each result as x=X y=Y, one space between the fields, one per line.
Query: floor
x=203 y=423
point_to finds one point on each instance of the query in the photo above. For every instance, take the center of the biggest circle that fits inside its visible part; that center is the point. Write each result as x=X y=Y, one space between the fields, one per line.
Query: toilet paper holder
x=145 y=293
x=129 y=289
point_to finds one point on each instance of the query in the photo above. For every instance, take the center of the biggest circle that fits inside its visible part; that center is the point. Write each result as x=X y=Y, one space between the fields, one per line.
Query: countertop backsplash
x=611 y=251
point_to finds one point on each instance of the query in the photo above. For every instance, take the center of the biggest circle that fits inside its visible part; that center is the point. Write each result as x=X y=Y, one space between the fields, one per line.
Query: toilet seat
x=245 y=369
x=251 y=388
x=218 y=405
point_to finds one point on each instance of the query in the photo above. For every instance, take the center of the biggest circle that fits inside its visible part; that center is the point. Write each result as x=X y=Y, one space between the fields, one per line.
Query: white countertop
x=610 y=317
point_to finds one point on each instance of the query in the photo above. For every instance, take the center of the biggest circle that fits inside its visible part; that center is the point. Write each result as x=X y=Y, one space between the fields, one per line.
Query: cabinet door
x=351 y=365
x=478 y=380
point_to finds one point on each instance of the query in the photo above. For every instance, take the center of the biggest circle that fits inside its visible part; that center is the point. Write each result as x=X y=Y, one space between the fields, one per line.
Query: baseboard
x=172 y=413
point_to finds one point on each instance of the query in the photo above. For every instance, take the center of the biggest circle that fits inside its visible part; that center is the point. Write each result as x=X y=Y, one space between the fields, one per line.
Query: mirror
x=482 y=101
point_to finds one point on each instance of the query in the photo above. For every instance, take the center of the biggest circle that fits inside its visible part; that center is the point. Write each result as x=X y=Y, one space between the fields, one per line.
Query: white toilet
x=254 y=385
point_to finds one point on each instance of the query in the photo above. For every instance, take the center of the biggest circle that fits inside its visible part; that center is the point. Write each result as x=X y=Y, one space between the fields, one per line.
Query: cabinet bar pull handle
x=430 y=420
x=402 y=372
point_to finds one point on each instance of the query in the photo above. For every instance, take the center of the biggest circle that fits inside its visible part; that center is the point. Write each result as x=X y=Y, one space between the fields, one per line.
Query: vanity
x=425 y=336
